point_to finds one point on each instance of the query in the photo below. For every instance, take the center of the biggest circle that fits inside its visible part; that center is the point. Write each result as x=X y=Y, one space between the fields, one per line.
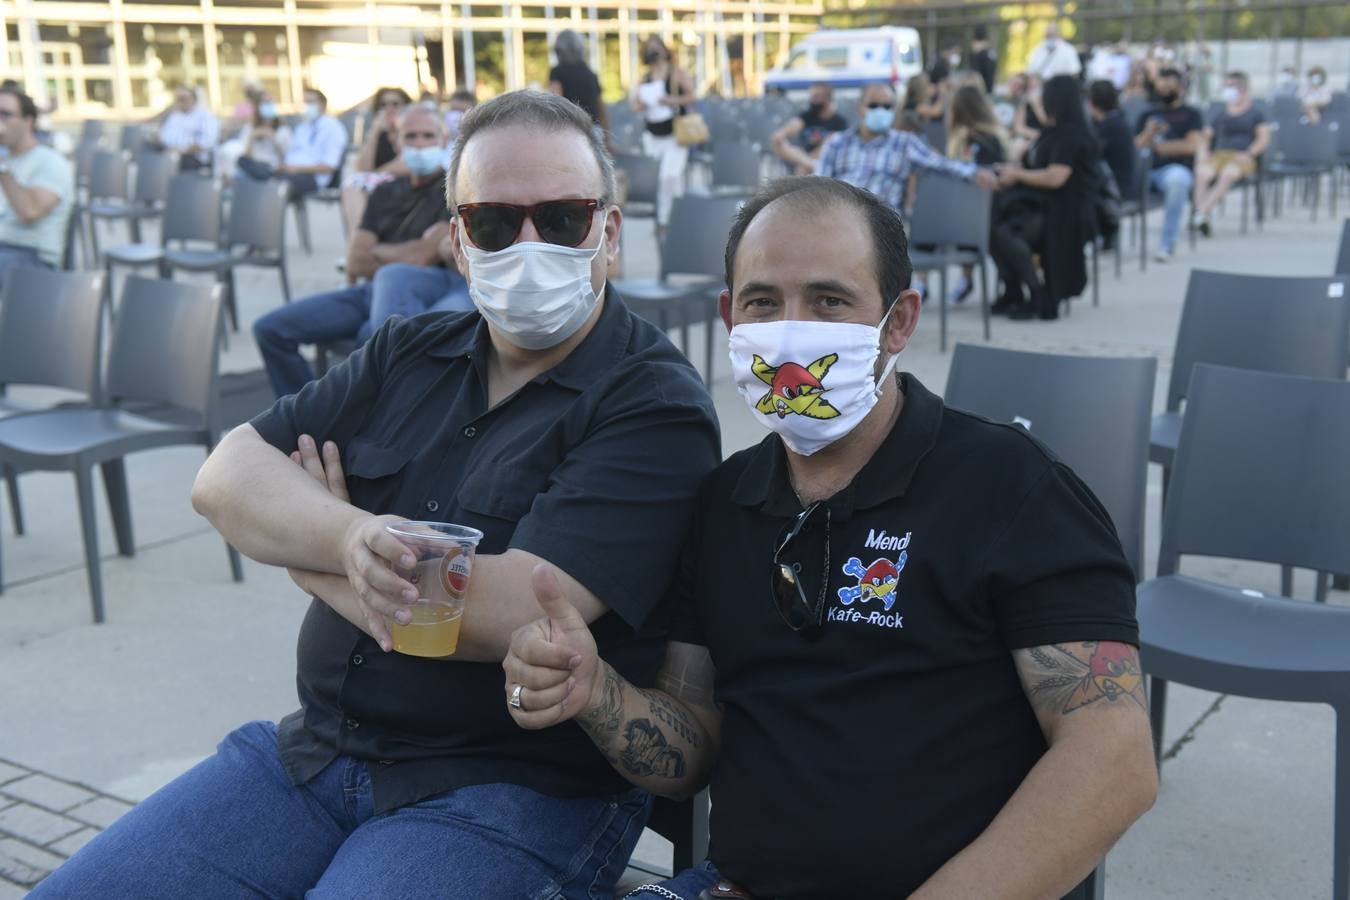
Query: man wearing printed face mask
x=314 y=153
x=404 y=221
x=559 y=424
x=896 y=625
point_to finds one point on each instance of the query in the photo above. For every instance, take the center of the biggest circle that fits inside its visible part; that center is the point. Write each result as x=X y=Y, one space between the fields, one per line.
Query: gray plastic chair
x=164 y=351
x=694 y=245
x=685 y=824
x=1297 y=326
x=952 y=218
x=50 y=335
x=1343 y=257
x=149 y=191
x=735 y=168
x=1260 y=475
x=1302 y=150
x=132 y=139
x=255 y=235
x=1093 y=412
x=191 y=216
x=1136 y=200
x=643 y=176
x=108 y=188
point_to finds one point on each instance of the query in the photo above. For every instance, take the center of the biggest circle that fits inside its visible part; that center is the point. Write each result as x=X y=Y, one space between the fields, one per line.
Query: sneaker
x=960 y=292
x=1162 y=256
x=1202 y=225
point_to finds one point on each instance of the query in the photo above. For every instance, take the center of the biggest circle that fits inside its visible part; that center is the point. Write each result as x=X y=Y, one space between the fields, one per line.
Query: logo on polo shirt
x=795 y=389
x=879 y=581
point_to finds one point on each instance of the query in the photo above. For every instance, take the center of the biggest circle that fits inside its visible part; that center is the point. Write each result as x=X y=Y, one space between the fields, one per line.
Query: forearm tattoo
x=646 y=746
x=607 y=713
x=1061 y=678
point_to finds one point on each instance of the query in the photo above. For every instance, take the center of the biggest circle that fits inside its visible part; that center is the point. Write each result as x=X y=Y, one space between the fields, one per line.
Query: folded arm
x=1096 y=778
x=29 y=203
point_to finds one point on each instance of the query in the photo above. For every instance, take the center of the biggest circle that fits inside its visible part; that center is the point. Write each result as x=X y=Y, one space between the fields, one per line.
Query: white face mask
x=537 y=295
x=1229 y=94
x=810 y=382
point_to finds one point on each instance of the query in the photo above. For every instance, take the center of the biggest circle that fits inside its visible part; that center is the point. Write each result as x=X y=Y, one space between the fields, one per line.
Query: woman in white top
x=1316 y=96
x=264 y=139
x=665 y=91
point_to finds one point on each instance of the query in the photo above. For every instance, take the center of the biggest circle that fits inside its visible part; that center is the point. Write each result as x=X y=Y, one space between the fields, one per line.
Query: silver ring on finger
x=514 y=702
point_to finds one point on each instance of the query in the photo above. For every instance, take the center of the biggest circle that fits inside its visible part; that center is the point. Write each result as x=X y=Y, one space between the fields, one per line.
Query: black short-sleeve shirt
x=1180 y=121
x=592 y=466
x=1237 y=131
x=396 y=211
x=856 y=764
x=817 y=128
x=1117 y=148
x=579 y=85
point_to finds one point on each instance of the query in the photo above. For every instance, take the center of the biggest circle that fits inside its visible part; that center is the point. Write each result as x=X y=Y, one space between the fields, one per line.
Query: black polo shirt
x=593 y=466
x=856 y=764
x=396 y=211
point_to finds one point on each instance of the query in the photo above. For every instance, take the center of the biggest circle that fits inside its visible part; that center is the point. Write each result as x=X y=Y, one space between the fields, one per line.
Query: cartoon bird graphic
x=795 y=389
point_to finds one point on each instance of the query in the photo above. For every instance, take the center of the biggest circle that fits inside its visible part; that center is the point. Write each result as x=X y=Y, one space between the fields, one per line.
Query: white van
x=849 y=59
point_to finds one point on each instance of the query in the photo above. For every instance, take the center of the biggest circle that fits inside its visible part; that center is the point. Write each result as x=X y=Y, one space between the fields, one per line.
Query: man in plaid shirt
x=878 y=158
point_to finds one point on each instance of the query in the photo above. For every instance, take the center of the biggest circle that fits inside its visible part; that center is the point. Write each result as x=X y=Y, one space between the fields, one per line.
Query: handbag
x=690 y=130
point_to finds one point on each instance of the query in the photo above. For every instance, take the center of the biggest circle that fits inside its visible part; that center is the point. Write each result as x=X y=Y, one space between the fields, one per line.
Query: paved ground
x=94 y=717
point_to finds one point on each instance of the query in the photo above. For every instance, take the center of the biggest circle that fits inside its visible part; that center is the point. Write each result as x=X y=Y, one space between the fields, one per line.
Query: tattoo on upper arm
x=687 y=674
x=1061 y=678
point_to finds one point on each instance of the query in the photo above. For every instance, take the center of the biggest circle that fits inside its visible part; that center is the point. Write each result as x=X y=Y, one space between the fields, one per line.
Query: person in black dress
x=1045 y=208
x=572 y=79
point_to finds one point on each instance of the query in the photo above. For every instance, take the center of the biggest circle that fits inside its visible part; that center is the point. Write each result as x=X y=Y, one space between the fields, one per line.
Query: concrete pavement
x=109 y=713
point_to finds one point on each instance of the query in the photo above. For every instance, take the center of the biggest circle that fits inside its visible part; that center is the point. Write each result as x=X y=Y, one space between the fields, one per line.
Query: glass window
x=256 y=54
x=800 y=59
x=832 y=57
x=161 y=57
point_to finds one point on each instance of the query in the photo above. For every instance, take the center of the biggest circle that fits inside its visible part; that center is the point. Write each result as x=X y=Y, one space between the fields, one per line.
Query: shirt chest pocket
x=500 y=494
x=373 y=474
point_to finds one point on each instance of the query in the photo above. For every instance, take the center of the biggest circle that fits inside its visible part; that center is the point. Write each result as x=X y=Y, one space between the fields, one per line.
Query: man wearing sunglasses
x=904 y=648
x=554 y=421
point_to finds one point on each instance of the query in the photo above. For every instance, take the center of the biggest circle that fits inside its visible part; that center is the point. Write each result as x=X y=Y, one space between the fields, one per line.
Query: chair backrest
x=1343 y=257
x=153 y=171
x=91 y=130
x=1259 y=472
x=1093 y=412
x=735 y=164
x=1298 y=326
x=1137 y=190
x=1304 y=142
x=166 y=345
x=1283 y=108
x=644 y=174
x=696 y=236
x=108 y=175
x=950 y=213
x=51 y=328
x=132 y=137
x=935 y=134
x=258 y=216
x=192 y=209
x=84 y=159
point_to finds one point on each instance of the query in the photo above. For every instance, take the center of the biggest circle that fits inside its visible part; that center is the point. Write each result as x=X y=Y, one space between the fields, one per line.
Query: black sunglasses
x=495 y=226
x=881 y=106
x=800 y=607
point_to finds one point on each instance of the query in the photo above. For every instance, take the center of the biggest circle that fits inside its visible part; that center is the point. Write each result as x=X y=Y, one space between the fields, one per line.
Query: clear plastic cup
x=444 y=556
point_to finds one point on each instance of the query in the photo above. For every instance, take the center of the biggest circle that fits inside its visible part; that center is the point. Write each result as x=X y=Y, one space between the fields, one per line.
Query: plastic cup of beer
x=444 y=555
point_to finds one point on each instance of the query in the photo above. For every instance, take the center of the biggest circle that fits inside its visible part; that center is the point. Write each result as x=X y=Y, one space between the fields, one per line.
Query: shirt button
x=358 y=659
x=470 y=432
x=432 y=506
x=352 y=724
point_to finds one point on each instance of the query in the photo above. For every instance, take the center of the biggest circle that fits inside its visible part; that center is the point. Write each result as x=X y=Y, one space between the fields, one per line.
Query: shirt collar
x=885 y=477
x=590 y=359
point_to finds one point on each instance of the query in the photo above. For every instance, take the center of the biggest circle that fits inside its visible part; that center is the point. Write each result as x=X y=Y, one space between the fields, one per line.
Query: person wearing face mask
x=1316 y=94
x=315 y=153
x=666 y=91
x=378 y=160
x=1237 y=137
x=1053 y=56
x=875 y=612
x=1173 y=131
x=553 y=420
x=456 y=107
x=799 y=140
x=264 y=138
x=190 y=130
x=403 y=223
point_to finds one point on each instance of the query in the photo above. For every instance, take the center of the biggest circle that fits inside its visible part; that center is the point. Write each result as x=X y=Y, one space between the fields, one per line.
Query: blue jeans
x=301 y=183
x=339 y=315
x=12 y=255
x=686 y=885
x=1174 y=182
x=406 y=290
x=235 y=827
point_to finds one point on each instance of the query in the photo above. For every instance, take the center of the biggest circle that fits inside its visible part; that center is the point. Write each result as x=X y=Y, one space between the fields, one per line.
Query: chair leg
x=15 y=504
x=984 y=298
x=1157 y=714
x=942 y=306
x=302 y=226
x=236 y=564
x=1286 y=581
x=1340 y=801
x=230 y=303
x=115 y=484
x=93 y=239
x=285 y=281
x=1096 y=275
x=84 y=486
x=709 y=325
x=1323 y=579
x=134 y=229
